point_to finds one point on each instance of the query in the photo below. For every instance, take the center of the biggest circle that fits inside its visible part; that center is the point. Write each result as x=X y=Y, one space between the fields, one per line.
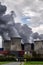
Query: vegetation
x=7 y=58
x=27 y=56
x=33 y=63
x=33 y=57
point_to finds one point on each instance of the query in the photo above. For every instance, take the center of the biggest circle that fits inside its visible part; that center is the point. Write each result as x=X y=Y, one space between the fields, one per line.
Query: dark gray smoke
x=27 y=34
x=2 y=9
x=24 y=31
x=25 y=40
x=41 y=36
x=18 y=26
x=36 y=35
x=7 y=29
x=12 y=31
x=6 y=36
x=2 y=23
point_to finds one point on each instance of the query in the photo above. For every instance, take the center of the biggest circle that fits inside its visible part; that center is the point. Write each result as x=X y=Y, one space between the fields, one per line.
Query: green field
x=3 y=63
x=33 y=63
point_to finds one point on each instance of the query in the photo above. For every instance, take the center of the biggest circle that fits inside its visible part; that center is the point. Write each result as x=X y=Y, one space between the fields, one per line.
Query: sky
x=27 y=11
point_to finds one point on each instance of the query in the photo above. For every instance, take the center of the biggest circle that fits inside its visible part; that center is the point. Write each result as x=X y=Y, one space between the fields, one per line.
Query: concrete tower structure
x=16 y=41
x=6 y=42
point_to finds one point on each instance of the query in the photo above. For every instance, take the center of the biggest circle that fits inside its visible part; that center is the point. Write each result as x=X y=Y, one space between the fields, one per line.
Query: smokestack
x=6 y=42
x=7 y=45
x=16 y=40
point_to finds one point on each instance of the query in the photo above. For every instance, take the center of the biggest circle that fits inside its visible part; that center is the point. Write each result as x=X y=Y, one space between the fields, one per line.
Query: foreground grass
x=3 y=63
x=33 y=63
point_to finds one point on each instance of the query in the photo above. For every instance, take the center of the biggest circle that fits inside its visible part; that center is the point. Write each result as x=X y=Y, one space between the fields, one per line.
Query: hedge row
x=2 y=58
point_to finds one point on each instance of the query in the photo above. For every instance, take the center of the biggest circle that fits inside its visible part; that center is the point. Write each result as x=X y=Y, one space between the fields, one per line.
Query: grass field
x=33 y=63
x=3 y=63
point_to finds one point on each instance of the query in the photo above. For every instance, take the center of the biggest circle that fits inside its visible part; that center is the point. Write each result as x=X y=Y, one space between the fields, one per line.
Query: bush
x=27 y=56
x=4 y=58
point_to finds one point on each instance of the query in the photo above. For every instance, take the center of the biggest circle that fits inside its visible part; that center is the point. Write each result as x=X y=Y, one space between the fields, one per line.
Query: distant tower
x=16 y=40
x=7 y=45
x=6 y=41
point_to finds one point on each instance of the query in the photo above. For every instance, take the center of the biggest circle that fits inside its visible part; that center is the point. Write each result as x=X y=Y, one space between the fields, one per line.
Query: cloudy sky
x=27 y=11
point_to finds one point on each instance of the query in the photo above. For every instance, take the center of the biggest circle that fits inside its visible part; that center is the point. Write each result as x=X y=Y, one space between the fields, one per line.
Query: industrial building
x=38 y=46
